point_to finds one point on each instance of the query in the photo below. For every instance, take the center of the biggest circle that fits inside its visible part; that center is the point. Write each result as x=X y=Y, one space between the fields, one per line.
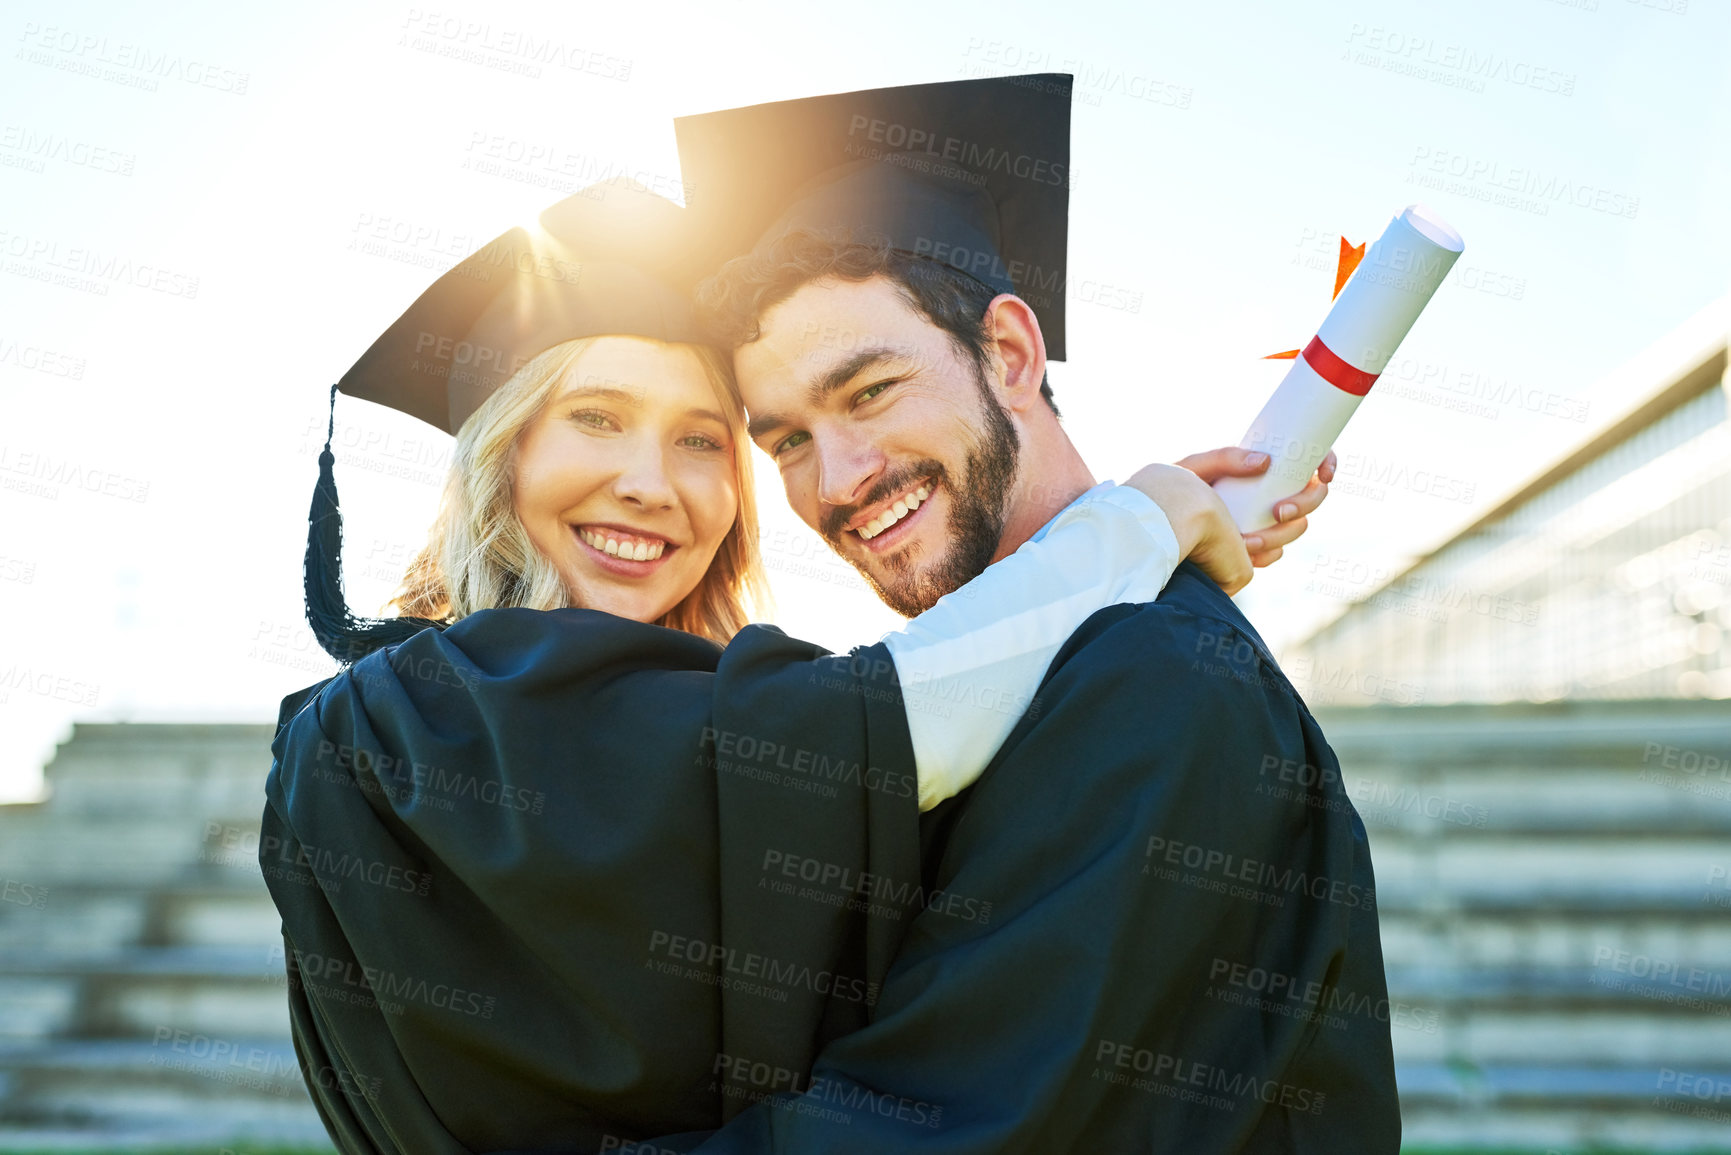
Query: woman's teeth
x=904 y=505
x=628 y=550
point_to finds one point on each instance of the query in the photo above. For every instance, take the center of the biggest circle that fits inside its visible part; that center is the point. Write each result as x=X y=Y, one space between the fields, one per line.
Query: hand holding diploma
x=1290 y=512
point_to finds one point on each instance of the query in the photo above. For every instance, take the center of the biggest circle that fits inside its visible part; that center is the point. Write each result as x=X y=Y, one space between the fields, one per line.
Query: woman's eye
x=594 y=419
x=791 y=441
x=700 y=441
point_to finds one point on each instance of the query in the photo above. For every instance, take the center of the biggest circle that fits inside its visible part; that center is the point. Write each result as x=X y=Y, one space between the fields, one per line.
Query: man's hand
x=1205 y=532
x=1291 y=513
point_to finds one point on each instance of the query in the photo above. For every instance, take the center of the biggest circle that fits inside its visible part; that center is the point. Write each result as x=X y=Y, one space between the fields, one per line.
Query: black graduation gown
x=1180 y=952
x=534 y=875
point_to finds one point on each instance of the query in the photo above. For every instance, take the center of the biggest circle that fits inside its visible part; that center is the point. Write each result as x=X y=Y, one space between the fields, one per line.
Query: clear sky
x=208 y=211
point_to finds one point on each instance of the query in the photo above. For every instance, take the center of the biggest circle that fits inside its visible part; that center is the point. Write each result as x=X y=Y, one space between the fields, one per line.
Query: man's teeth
x=630 y=551
x=904 y=505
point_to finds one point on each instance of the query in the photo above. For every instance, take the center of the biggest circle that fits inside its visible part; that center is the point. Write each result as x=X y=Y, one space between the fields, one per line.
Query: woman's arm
x=970 y=665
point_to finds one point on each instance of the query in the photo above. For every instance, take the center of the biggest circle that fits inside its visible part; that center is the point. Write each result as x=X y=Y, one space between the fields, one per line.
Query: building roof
x=1680 y=366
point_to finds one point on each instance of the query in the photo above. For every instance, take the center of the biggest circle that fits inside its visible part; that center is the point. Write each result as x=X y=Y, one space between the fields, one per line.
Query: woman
x=533 y=864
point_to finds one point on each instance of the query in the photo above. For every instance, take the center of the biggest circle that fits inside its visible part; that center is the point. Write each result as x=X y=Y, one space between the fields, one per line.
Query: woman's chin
x=622 y=604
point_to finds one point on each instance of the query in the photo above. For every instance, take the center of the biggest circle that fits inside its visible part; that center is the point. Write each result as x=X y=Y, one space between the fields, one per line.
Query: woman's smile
x=625 y=552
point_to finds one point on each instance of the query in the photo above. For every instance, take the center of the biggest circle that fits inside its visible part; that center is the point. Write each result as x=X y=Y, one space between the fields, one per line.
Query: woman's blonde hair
x=479 y=556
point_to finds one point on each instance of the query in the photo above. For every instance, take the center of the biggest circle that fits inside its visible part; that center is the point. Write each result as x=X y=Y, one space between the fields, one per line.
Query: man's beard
x=979 y=506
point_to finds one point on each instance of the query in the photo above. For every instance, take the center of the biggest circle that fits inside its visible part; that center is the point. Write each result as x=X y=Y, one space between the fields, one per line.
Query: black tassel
x=344 y=636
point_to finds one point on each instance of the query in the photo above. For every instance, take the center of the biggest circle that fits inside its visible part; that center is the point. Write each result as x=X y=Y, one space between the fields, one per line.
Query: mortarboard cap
x=613 y=259
x=971 y=173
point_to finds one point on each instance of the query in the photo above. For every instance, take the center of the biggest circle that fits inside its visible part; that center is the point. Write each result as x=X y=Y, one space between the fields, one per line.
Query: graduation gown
x=1157 y=930
x=539 y=872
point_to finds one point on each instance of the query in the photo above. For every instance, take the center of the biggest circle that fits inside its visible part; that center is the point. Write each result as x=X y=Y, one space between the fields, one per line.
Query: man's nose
x=847 y=464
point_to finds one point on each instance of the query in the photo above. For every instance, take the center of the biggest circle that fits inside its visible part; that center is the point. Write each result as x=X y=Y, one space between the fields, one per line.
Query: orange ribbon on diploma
x=1350 y=255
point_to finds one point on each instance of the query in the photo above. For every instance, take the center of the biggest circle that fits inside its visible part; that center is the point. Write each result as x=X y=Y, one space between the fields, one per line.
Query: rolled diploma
x=1319 y=394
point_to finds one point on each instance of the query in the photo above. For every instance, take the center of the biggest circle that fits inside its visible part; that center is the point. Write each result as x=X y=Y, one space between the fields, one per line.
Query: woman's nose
x=643 y=480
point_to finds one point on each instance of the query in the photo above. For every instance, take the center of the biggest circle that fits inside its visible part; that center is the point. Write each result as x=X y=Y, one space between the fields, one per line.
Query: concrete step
x=51 y=850
x=1634 y=981
x=1645 y=871
x=219 y=745
x=1464 y=803
x=1497 y=938
x=48 y=994
x=214 y=906
x=176 y=791
x=1563 y=1109
x=1527 y=736
x=179 y=1075
x=169 y=1137
x=76 y=918
x=160 y=769
x=218 y=915
x=1619 y=1084
x=35 y=1007
x=1512 y=1034
x=141 y=992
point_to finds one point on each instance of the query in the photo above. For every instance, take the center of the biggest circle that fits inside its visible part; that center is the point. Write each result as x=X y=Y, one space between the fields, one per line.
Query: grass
x=252 y=1150
x=331 y=1151
x=1556 y=1151
x=244 y=1149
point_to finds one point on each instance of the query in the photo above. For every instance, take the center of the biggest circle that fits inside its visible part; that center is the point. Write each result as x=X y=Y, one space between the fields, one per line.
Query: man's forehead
x=826 y=324
x=831 y=313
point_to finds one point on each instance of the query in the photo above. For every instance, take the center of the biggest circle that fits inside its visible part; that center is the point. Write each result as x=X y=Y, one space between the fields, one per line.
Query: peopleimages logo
x=1034 y=283
x=727 y=966
x=1534 y=189
x=1263 y=877
x=972 y=155
x=758 y=1081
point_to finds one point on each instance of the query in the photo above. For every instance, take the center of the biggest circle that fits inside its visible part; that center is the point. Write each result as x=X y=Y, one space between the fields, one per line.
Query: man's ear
x=1019 y=351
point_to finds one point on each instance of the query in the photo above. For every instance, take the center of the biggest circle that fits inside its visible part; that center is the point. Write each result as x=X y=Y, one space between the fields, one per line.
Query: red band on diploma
x=1337 y=372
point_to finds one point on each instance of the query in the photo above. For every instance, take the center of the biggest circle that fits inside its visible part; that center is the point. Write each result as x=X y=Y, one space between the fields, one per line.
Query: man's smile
x=894 y=510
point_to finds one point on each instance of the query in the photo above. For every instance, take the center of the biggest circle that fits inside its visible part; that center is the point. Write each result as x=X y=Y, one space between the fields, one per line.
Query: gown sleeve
x=1151 y=927
x=518 y=866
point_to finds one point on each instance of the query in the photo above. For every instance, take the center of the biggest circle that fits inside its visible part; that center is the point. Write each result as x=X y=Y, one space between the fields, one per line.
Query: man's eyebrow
x=828 y=382
x=766 y=423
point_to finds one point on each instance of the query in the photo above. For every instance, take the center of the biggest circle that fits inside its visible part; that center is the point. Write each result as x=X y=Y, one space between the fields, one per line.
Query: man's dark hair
x=735 y=299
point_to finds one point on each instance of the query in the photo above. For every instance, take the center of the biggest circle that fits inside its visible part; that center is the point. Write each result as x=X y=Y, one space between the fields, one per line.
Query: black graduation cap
x=972 y=173
x=613 y=259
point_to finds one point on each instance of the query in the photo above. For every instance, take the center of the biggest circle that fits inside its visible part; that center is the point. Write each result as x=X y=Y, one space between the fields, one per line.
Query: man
x=1156 y=925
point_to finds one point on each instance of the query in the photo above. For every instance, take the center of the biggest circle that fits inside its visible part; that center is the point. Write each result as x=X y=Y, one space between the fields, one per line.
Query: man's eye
x=791 y=441
x=871 y=391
